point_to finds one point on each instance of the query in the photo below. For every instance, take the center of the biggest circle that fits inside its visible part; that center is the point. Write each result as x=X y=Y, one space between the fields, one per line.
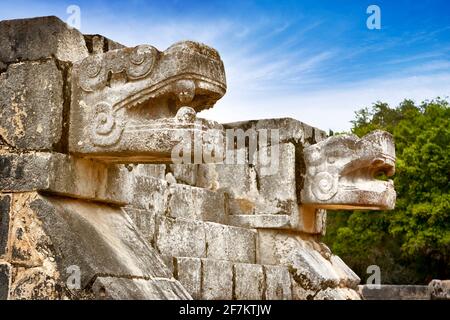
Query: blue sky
x=315 y=61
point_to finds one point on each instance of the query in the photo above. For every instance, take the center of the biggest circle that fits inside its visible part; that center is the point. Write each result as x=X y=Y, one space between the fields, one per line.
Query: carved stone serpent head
x=342 y=172
x=131 y=104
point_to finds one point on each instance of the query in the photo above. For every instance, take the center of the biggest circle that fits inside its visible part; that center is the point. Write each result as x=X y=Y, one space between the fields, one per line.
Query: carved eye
x=324 y=186
x=137 y=56
x=91 y=74
x=141 y=61
x=92 y=66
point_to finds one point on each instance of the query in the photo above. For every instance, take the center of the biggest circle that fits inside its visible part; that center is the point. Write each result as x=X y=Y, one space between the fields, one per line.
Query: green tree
x=411 y=244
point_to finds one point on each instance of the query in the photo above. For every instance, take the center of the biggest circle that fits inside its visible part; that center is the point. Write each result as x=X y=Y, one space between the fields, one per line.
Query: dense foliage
x=410 y=244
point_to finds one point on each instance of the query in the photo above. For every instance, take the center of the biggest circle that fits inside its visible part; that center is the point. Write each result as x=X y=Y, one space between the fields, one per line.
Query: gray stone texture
x=99 y=238
x=230 y=243
x=394 y=292
x=278 y=283
x=31 y=105
x=39 y=38
x=249 y=281
x=5 y=207
x=217 y=280
x=180 y=237
x=117 y=288
x=4 y=280
x=188 y=271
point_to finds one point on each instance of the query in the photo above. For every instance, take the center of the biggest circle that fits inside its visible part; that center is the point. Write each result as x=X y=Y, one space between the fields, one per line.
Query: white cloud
x=331 y=108
x=271 y=70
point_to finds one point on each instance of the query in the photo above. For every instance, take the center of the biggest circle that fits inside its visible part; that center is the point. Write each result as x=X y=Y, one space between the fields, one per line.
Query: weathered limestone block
x=278 y=283
x=195 y=203
x=5 y=205
x=341 y=172
x=99 y=238
x=290 y=130
x=306 y=264
x=87 y=179
x=347 y=278
x=217 y=280
x=248 y=281
x=181 y=237
x=210 y=205
x=188 y=271
x=150 y=170
x=230 y=243
x=33 y=267
x=394 y=292
x=38 y=38
x=311 y=270
x=237 y=180
x=279 y=190
x=64 y=175
x=260 y=221
x=178 y=200
x=5 y=279
x=145 y=221
x=439 y=289
x=337 y=294
x=300 y=293
x=31 y=105
x=185 y=173
x=25 y=172
x=150 y=194
x=37 y=283
x=119 y=288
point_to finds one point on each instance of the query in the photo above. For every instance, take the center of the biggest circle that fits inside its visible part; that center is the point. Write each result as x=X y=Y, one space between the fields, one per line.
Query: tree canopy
x=410 y=244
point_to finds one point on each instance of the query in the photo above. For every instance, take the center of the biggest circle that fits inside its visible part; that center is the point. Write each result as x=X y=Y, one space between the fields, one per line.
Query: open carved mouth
x=345 y=172
x=131 y=104
x=164 y=101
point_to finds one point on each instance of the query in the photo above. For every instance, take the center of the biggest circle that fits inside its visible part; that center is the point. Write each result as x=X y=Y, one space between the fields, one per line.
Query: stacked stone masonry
x=93 y=207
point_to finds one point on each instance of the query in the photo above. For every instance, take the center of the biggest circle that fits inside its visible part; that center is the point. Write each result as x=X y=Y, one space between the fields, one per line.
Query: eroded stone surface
x=142 y=112
x=5 y=206
x=217 y=280
x=181 y=237
x=4 y=280
x=337 y=294
x=439 y=289
x=100 y=239
x=278 y=283
x=38 y=38
x=31 y=105
x=189 y=272
x=230 y=243
x=249 y=281
x=117 y=288
x=341 y=172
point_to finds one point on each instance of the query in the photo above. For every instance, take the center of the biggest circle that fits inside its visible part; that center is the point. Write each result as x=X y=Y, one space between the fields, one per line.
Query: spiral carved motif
x=141 y=61
x=136 y=62
x=324 y=186
x=92 y=73
x=107 y=126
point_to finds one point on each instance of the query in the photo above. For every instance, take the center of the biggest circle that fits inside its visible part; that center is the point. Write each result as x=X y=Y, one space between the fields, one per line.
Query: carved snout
x=345 y=172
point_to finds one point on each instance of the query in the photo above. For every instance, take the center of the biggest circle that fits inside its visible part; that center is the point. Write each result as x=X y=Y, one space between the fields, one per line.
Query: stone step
x=213 y=279
x=195 y=238
x=178 y=201
x=55 y=240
